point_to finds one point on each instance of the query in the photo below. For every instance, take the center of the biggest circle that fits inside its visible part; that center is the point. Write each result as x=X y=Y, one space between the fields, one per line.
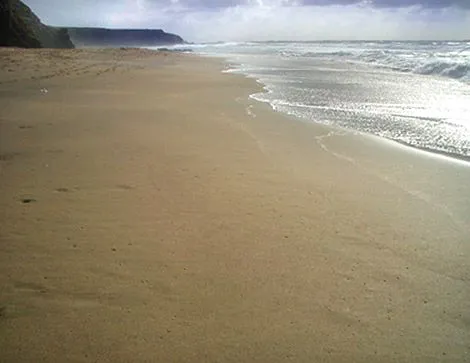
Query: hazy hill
x=102 y=37
x=20 y=27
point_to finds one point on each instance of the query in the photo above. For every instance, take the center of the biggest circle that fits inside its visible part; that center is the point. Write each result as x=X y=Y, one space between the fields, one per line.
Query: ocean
x=414 y=93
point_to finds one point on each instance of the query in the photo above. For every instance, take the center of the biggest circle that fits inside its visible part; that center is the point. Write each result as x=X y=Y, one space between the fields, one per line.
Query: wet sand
x=151 y=212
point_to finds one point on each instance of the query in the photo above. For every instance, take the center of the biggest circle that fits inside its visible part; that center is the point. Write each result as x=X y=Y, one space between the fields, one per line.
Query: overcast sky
x=237 y=20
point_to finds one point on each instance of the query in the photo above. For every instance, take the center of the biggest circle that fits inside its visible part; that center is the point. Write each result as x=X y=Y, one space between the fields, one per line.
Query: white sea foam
x=451 y=59
x=403 y=91
x=446 y=59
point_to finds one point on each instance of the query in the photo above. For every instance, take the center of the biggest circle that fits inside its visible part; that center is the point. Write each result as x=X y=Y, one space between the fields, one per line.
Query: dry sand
x=147 y=216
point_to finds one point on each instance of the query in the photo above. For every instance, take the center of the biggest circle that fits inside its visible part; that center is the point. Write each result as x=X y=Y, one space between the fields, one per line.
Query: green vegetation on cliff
x=20 y=27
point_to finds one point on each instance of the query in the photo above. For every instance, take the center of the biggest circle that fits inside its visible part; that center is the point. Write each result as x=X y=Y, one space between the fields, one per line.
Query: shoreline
x=148 y=217
x=452 y=156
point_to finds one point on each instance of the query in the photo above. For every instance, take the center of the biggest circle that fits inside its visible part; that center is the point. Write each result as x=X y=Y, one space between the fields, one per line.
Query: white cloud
x=336 y=22
x=200 y=20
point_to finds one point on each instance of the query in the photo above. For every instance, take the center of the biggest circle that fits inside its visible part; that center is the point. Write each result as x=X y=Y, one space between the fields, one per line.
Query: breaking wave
x=446 y=59
x=449 y=59
x=446 y=69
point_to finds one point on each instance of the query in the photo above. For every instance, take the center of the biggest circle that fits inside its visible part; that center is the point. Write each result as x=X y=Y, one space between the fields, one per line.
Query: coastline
x=232 y=67
x=167 y=224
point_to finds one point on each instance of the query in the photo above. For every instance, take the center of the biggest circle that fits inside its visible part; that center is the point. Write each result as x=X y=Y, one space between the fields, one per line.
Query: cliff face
x=20 y=27
x=102 y=37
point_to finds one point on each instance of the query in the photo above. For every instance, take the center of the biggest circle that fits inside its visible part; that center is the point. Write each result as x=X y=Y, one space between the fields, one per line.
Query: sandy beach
x=152 y=212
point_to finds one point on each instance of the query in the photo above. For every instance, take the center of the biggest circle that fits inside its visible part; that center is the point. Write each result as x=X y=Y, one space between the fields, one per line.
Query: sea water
x=415 y=93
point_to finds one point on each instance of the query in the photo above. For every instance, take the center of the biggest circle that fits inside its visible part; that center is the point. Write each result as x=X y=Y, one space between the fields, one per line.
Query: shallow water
x=416 y=93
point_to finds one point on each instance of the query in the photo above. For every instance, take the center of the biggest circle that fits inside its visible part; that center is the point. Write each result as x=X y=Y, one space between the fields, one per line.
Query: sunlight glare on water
x=417 y=93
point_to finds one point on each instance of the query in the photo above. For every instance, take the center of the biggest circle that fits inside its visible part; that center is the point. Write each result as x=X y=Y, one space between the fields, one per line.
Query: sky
x=244 y=20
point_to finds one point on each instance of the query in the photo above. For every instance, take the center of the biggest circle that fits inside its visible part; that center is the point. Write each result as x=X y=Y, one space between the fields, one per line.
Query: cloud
x=335 y=22
x=232 y=20
x=374 y=3
x=423 y=3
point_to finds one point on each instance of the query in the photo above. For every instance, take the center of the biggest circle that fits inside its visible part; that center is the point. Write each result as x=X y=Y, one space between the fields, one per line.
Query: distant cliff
x=101 y=37
x=20 y=27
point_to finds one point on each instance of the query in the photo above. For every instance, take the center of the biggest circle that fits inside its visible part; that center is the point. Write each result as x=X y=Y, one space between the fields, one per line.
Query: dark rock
x=177 y=50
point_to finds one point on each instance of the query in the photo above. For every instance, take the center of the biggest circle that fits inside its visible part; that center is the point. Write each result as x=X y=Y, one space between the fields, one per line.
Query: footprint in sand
x=30 y=287
x=8 y=156
x=28 y=200
x=124 y=187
